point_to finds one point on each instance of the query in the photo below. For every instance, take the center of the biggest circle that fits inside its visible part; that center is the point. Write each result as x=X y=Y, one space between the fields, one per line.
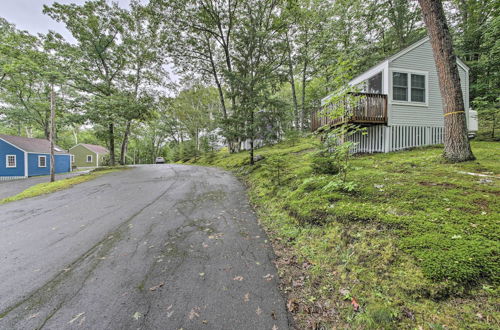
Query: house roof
x=406 y=50
x=95 y=148
x=392 y=58
x=31 y=144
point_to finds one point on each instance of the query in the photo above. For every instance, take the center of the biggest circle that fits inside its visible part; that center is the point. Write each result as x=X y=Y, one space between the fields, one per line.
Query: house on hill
x=400 y=104
x=88 y=155
x=22 y=157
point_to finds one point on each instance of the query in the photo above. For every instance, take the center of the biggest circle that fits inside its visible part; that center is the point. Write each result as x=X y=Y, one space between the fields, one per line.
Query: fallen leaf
x=194 y=313
x=292 y=305
x=205 y=245
x=33 y=316
x=238 y=278
x=137 y=316
x=275 y=327
x=202 y=274
x=355 y=304
x=204 y=321
x=246 y=297
x=156 y=287
x=76 y=317
x=268 y=277
x=258 y=311
x=273 y=315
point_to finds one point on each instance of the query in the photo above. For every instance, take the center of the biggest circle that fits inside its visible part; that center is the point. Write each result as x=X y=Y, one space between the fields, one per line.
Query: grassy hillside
x=415 y=244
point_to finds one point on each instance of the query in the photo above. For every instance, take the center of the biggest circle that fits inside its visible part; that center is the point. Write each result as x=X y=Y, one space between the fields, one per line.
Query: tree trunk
x=304 y=82
x=123 y=149
x=456 y=142
x=111 y=133
x=292 y=85
x=52 y=134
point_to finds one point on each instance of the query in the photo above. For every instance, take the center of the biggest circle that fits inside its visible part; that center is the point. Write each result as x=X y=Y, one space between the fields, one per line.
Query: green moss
x=50 y=187
x=416 y=243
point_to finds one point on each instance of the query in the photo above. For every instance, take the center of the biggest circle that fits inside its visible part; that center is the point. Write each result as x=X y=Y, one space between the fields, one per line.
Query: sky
x=27 y=15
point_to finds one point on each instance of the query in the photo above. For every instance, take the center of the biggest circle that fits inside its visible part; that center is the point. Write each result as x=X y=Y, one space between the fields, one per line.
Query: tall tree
x=456 y=143
x=96 y=63
x=144 y=49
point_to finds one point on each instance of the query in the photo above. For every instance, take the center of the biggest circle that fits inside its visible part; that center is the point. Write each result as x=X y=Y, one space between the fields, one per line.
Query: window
x=11 y=161
x=42 y=161
x=409 y=87
x=399 y=86
x=72 y=158
x=375 y=84
x=417 y=88
x=89 y=158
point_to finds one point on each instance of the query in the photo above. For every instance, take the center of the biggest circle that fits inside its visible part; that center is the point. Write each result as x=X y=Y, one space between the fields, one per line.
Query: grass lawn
x=415 y=245
x=50 y=187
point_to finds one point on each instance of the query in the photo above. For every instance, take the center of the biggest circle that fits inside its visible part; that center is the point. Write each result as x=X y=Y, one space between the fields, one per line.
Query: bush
x=275 y=170
x=325 y=162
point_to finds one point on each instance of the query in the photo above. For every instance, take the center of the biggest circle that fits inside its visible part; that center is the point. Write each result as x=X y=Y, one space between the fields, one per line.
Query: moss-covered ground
x=414 y=245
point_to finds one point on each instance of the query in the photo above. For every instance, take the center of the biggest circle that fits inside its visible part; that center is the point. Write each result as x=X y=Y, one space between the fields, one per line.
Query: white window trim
x=39 y=158
x=91 y=159
x=72 y=158
x=7 y=161
x=409 y=102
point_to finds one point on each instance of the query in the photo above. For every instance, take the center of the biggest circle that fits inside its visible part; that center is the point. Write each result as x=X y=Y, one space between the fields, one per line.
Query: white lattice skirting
x=10 y=178
x=391 y=138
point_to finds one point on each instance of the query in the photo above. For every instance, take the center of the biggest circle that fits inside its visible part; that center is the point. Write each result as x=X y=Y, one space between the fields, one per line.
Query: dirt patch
x=435 y=184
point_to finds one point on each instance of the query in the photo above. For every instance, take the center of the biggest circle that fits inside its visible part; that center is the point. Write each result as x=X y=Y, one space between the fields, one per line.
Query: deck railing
x=369 y=108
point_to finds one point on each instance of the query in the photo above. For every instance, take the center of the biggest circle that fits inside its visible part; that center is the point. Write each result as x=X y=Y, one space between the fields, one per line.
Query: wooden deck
x=369 y=109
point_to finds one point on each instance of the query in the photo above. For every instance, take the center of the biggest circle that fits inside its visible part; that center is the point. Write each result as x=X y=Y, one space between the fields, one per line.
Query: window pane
x=400 y=79
x=11 y=161
x=417 y=81
x=375 y=84
x=400 y=94
x=417 y=95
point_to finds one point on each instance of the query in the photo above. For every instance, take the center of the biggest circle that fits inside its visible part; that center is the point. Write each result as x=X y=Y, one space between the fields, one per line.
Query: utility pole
x=52 y=132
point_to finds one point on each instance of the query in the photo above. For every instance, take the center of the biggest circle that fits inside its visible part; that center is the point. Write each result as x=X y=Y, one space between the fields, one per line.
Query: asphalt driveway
x=154 y=247
x=14 y=187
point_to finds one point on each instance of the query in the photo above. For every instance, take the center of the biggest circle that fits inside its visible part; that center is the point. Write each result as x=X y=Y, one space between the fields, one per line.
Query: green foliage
x=415 y=242
x=275 y=170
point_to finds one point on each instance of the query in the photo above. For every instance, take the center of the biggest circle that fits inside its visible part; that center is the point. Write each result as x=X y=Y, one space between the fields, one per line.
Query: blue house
x=22 y=157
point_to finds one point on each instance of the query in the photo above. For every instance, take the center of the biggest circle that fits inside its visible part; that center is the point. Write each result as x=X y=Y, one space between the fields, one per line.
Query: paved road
x=14 y=187
x=153 y=247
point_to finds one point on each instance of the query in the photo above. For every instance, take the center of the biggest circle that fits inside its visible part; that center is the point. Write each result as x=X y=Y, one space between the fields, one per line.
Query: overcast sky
x=27 y=15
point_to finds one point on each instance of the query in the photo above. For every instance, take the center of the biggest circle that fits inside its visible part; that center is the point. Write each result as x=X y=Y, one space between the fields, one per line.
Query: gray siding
x=422 y=59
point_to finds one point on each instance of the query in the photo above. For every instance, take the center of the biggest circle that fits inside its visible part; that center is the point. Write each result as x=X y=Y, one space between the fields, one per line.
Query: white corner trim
x=26 y=164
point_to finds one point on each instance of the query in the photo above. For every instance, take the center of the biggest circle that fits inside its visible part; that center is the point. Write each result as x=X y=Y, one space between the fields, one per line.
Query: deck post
x=387 y=139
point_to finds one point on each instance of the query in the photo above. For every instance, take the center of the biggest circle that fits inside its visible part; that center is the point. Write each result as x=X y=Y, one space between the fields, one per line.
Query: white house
x=402 y=107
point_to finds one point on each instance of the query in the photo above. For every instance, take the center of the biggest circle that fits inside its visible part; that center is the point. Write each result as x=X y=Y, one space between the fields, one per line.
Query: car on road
x=160 y=160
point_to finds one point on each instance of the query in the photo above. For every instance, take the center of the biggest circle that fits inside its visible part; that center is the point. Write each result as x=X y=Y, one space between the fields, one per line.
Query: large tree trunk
x=111 y=133
x=123 y=149
x=52 y=134
x=456 y=142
